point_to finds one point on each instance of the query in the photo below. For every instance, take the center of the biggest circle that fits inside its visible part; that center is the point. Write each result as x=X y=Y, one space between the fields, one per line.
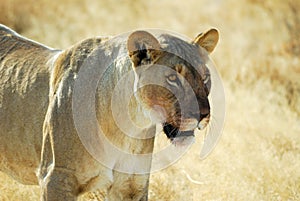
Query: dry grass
x=258 y=157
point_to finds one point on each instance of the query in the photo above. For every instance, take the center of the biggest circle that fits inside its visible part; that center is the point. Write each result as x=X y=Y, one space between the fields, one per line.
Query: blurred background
x=258 y=57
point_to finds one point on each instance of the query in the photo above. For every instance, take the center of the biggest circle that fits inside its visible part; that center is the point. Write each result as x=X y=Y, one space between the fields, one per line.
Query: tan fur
x=39 y=143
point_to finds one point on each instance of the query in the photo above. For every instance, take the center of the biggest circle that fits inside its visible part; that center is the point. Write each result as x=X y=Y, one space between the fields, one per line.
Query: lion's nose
x=202 y=116
x=204 y=113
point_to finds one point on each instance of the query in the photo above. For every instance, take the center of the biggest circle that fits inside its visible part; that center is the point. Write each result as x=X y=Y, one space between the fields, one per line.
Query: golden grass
x=258 y=156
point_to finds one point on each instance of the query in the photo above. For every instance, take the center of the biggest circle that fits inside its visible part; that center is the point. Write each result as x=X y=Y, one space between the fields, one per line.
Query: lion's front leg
x=58 y=186
x=145 y=197
x=56 y=183
x=56 y=176
x=128 y=187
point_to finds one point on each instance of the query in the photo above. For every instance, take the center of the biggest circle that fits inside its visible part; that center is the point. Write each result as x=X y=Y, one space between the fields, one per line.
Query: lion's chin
x=177 y=137
x=183 y=141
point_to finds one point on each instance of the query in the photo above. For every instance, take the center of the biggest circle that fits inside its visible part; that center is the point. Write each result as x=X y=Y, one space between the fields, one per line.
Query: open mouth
x=173 y=132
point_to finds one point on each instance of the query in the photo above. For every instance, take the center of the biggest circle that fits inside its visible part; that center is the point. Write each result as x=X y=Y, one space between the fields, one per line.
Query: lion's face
x=173 y=90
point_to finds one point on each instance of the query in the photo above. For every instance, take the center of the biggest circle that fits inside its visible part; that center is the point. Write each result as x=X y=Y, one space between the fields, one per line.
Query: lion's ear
x=142 y=45
x=208 y=40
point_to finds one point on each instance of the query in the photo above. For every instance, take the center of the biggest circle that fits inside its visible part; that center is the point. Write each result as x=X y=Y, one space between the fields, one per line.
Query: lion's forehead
x=191 y=55
x=183 y=48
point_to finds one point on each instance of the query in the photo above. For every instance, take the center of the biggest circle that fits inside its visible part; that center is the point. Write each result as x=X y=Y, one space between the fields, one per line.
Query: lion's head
x=172 y=80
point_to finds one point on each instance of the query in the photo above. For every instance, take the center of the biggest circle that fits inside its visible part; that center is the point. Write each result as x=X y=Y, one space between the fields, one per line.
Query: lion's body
x=28 y=71
x=23 y=104
x=39 y=141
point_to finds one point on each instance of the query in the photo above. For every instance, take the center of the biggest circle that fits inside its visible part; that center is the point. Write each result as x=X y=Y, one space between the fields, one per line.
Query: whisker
x=191 y=179
x=174 y=129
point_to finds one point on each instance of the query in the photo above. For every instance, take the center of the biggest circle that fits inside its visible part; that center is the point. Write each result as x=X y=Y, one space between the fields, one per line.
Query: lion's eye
x=207 y=82
x=206 y=78
x=173 y=80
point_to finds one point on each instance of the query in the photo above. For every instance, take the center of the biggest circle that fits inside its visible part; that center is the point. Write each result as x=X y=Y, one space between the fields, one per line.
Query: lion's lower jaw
x=188 y=124
x=183 y=141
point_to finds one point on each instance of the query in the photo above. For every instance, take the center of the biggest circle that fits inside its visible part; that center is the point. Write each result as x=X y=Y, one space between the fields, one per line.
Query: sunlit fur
x=39 y=143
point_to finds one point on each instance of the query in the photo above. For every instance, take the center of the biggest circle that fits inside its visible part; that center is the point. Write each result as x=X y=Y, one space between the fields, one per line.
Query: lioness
x=39 y=140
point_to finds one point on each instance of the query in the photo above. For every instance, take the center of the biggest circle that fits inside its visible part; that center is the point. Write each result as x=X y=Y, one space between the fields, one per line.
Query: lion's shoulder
x=71 y=59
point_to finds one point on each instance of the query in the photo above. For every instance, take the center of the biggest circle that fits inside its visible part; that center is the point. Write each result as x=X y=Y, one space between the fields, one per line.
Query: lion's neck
x=122 y=119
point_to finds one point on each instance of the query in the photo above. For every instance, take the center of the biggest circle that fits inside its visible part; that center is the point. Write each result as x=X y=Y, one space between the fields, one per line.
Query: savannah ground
x=258 y=57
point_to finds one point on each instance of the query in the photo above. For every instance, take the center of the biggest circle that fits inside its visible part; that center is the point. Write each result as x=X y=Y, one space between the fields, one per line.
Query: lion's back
x=24 y=88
